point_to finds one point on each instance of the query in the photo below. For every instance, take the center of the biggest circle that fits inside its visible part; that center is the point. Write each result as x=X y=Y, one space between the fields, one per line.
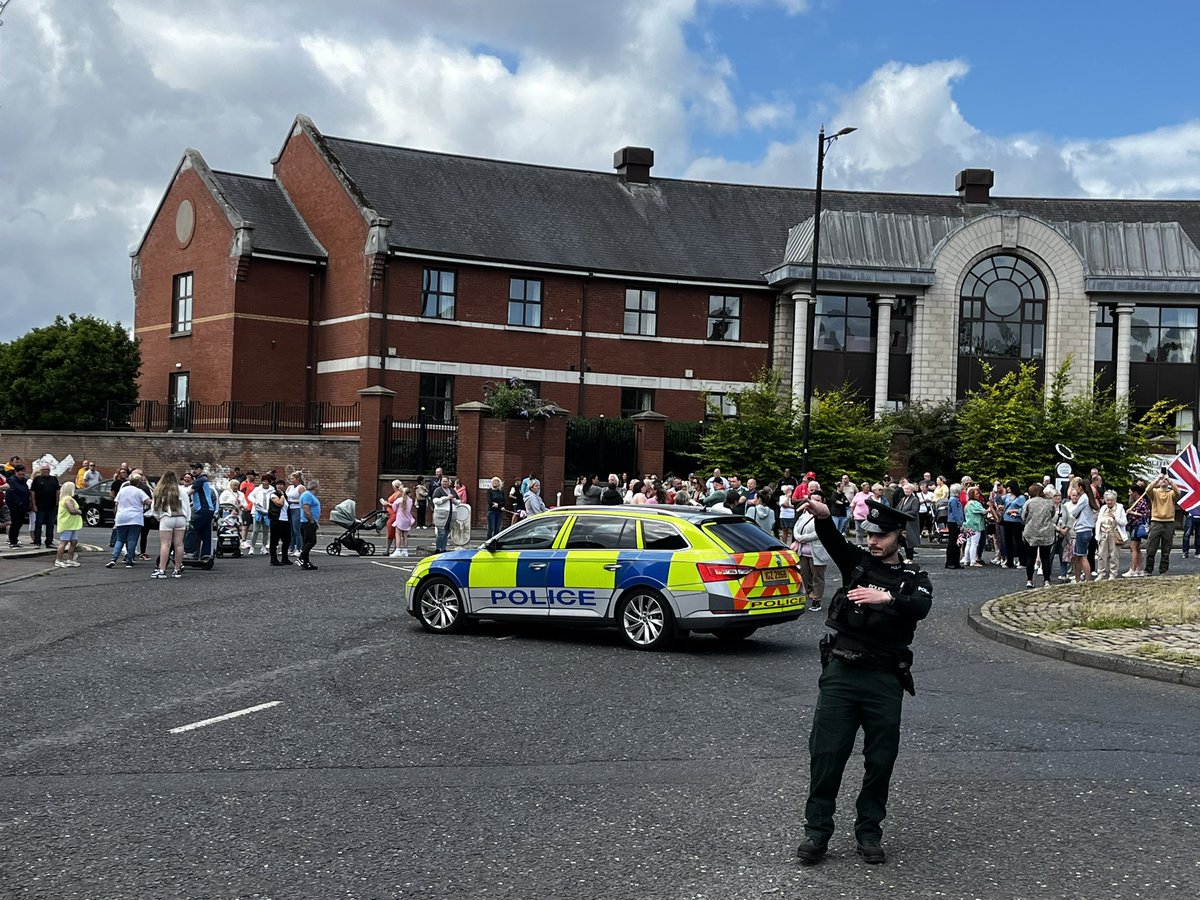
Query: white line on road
x=402 y=568
x=232 y=715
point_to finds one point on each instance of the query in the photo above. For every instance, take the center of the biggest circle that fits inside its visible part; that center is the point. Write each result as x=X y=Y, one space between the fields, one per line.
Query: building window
x=525 y=302
x=717 y=403
x=900 y=337
x=843 y=324
x=1163 y=334
x=1104 y=334
x=1003 y=307
x=437 y=294
x=181 y=304
x=641 y=312
x=436 y=397
x=724 y=317
x=635 y=400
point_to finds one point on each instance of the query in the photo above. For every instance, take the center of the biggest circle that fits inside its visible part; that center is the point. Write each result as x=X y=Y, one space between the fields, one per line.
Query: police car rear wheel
x=644 y=618
x=439 y=607
x=734 y=634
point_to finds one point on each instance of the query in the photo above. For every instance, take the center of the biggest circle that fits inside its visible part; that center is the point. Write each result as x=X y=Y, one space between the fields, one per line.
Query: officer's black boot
x=870 y=850
x=811 y=851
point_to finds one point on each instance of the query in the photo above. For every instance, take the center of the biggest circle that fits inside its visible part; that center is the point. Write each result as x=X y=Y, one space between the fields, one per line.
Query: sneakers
x=71 y=562
x=308 y=567
x=871 y=852
x=129 y=563
x=395 y=554
x=110 y=564
x=158 y=573
x=816 y=606
x=249 y=550
x=811 y=851
x=1029 y=585
x=178 y=573
x=60 y=564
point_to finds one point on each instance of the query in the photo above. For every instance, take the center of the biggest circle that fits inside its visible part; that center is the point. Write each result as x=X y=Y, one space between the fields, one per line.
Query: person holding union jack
x=1163 y=494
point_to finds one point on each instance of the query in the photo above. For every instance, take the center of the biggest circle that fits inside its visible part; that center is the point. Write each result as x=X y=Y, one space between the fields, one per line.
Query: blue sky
x=100 y=99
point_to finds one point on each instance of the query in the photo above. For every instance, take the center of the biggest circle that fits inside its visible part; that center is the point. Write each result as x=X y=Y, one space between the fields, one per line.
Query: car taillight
x=723 y=571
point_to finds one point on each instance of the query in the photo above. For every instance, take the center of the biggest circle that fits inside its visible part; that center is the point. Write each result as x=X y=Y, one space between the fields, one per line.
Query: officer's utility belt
x=866 y=660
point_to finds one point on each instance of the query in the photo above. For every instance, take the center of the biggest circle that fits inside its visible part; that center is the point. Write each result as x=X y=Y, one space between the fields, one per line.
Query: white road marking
x=232 y=715
x=506 y=637
x=402 y=568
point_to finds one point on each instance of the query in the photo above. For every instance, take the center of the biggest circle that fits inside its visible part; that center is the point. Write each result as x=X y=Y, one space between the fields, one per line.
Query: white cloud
x=1161 y=163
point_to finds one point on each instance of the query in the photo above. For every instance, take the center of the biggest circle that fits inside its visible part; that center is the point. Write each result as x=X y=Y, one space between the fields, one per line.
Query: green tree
x=935 y=436
x=1002 y=426
x=845 y=439
x=762 y=439
x=63 y=376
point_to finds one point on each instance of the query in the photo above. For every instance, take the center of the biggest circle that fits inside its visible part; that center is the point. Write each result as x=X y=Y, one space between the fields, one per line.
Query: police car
x=651 y=571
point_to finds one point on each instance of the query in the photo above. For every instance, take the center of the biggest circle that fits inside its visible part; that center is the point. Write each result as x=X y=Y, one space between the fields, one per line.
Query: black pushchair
x=941 y=521
x=345 y=514
x=229 y=532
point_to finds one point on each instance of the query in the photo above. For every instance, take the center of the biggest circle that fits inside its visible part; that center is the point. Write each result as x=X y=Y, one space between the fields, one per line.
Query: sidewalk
x=25 y=562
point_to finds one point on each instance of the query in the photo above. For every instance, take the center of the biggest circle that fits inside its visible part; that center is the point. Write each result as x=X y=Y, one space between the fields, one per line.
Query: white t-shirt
x=185 y=506
x=131 y=505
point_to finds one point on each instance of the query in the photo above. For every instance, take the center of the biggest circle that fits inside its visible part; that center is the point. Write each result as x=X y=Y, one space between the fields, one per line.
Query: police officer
x=865 y=664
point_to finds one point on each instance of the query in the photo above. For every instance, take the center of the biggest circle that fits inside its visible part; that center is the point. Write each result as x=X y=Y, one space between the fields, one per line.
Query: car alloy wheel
x=439 y=606
x=91 y=515
x=644 y=618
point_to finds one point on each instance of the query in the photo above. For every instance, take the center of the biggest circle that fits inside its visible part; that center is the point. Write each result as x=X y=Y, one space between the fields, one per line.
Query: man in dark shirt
x=735 y=497
x=45 y=505
x=866 y=667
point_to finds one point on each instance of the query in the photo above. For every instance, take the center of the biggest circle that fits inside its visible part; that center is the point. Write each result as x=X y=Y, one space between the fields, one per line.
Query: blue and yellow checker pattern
x=569 y=582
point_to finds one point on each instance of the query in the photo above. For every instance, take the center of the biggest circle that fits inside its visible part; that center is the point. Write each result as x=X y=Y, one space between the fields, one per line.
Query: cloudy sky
x=99 y=99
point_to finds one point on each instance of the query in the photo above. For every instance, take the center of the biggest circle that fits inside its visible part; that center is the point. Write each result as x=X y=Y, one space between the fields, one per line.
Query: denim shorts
x=1082 y=538
x=68 y=535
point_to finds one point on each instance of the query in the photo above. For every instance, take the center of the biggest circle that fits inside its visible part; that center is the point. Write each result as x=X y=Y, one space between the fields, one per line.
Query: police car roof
x=687 y=513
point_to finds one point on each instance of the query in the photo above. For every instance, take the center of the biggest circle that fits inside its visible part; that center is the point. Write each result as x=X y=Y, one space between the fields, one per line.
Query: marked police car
x=652 y=571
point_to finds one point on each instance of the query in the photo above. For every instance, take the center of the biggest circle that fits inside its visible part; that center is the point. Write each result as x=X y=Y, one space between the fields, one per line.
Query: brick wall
x=332 y=460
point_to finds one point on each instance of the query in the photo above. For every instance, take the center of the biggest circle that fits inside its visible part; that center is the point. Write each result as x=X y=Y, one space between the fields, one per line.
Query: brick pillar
x=554 y=452
x=470 y=448
x=374 y=404
x=649 y=439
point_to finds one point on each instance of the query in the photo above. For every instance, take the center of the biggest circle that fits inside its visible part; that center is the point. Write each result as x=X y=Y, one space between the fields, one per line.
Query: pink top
x=858 y=505
x=402 y=510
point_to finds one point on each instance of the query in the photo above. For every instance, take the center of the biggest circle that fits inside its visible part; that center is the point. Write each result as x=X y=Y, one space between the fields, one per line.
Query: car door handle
x=537 y=567
x=613 y=567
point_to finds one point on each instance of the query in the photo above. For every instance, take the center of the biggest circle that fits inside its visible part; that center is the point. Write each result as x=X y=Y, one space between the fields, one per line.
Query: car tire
x=439 y=606
x=91 y=516
x=334 y=549
x=729 y=635
x=645 y=620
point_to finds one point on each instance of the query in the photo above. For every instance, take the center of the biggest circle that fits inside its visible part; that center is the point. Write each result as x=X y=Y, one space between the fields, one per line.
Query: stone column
x=883 y=344
x=1122 y=322
x=803 y=308
x=374 y=405
x=649 y=438
x=781 y=338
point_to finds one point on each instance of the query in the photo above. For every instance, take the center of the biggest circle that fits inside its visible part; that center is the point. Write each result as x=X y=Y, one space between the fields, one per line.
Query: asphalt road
x=544 y=762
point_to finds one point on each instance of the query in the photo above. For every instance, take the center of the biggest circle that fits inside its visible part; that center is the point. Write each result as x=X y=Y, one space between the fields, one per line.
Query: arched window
x=1002 y=317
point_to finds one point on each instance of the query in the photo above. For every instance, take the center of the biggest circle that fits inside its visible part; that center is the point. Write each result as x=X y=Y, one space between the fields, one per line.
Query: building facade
x=360 y=265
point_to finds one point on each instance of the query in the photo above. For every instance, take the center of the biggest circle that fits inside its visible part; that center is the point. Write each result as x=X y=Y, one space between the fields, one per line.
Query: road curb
x=979 y=619
x=17 y=578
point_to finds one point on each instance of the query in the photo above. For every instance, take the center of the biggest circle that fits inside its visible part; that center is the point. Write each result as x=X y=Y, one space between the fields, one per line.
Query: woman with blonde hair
x=389 y=505
x=171 y=506
x=495 y=508
x=402 y=519
x=1083 y=506
x=69 y=524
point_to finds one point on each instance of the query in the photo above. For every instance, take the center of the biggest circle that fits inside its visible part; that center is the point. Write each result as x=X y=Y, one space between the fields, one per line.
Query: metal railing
x=233 y=417
x=419 y=444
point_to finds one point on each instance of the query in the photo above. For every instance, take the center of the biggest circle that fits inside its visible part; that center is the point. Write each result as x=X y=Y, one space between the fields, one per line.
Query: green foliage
x=935 y=436
x=762 y=439
x=64 y=375
x=1009 y=428
x=845 y=439
x=514 y=399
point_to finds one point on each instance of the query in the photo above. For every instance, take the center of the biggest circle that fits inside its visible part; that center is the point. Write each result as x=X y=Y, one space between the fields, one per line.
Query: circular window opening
x=185 y=222
x=1003 y=298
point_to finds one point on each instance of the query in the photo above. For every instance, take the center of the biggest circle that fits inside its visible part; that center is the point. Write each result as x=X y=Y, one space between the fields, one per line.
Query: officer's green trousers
x=851 y=698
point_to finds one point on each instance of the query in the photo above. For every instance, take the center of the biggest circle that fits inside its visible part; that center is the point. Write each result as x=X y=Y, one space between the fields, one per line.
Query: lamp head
x=845 y=131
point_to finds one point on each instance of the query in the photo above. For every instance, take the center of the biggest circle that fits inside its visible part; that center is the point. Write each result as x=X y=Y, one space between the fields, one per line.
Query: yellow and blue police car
x=654 y=572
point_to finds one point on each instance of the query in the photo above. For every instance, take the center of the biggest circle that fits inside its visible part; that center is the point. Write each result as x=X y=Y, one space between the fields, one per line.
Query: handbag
x=1140 y=532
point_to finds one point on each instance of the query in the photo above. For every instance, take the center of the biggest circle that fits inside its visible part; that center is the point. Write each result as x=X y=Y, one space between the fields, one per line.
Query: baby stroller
x=229 y=532
x=941 y=519
x=345 y=514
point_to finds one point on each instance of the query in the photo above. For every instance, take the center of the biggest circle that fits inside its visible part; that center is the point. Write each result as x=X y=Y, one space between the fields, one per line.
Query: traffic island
x=1149 y=627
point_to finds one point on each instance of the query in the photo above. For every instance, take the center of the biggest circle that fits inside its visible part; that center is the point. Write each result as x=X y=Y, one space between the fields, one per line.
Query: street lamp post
x=823 y=143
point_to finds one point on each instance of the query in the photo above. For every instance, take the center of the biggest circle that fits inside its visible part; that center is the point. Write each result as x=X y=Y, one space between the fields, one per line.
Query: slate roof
x=278 y=227
x=492 y=209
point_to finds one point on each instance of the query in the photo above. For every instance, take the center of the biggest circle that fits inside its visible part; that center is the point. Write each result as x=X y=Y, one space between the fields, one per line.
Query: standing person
x=260 y=530
x=910 y=504
x=281 y=529
x=70 y=521
x=171 y=506
x=592 y=492
x=294 y=489
x=611 y=495
x=866 y=668
x=1083 y=508
x=44 y=492
x=1191 y=529
x=92 y=476
x=1162 y=494
x=859 y=510
x=1064 y=527
x=80 y=475
x=813 y=555
x=461 y=490
x=1111 y=523
x=787 y=513
x=444 y=501
x=310 y=516
x=534 y=503
x=204 y=503
x=421 y=498
x=1010 y=516
x=1138 y=518
x=839 y=506
x=495 y=507
x=975 y=523
x=1037 y=514
x=955 y=519
x=388 y=503
x=19 y=501
x=402 y=509
x=132 y=504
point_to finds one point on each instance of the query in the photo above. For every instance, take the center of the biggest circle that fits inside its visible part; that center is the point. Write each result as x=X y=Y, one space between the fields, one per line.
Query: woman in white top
x=1111 y=524
x=172 y=507
x=131 y=514
x=813 y=556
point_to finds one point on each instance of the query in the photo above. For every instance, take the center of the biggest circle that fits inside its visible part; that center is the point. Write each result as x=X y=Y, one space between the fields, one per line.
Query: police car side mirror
x=488 y=545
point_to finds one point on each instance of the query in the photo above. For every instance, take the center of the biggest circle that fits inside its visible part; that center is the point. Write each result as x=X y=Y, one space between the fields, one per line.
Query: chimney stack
x=974 y=185
x=633 y=164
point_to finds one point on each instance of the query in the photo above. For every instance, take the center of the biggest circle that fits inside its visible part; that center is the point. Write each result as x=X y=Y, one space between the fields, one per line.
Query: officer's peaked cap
x=882 y=519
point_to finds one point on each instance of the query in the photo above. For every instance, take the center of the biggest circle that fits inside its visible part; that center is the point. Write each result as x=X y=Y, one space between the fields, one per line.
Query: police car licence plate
x=774 y=576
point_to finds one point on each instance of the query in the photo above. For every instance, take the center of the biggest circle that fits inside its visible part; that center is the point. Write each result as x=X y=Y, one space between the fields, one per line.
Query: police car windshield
x=742 y=536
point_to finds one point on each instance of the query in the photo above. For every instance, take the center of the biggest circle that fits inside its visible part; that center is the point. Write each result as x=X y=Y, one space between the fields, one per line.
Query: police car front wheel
x=439 y=606
x=645 y=620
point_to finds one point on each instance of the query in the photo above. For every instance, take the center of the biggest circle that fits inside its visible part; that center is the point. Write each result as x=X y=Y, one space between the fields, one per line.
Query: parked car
x=97 y=502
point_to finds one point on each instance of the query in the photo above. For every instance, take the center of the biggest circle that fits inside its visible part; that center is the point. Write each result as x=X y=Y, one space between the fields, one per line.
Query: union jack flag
x=1184 y=471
